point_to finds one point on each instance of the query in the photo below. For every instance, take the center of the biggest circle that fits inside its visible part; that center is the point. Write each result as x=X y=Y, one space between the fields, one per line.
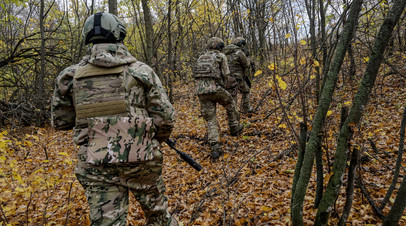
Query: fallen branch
x=364 y=190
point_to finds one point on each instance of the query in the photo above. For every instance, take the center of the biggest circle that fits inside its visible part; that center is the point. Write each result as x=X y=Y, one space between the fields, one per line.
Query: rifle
x=248 y=81
x=252 y=67
x=184 y=156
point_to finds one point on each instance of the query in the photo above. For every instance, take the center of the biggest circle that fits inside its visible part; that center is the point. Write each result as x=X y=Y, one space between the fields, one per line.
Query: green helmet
x=215 y=43
x=103 y=28
x=239 y=41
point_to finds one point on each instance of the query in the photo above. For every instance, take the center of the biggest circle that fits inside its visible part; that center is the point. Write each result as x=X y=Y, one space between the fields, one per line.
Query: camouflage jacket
x=147 y=115
x=237 y=60
x=211 y=85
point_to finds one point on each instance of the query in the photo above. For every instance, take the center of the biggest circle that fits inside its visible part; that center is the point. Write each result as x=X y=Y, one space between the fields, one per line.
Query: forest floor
x=249 y=185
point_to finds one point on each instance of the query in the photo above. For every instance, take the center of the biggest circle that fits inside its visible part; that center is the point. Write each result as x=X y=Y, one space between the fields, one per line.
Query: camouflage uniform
x=210 y=92
x=120 y=114
x=240 y=69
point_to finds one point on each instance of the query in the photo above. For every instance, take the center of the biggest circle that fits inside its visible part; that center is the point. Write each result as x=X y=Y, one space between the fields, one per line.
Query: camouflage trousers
x=107 y=190
x=242 y=87
x=208 y=103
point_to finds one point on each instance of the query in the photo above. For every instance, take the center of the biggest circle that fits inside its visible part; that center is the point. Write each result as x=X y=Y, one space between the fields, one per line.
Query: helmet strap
x=99 y=30
x=97 y=23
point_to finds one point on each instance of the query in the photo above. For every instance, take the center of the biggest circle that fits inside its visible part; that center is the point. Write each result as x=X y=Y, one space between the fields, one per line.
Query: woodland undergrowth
x=249 y=185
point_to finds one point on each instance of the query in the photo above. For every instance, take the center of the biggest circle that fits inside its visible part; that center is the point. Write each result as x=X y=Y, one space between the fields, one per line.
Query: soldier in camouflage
x=120 y=114
x=240 y=70
x=211 y=72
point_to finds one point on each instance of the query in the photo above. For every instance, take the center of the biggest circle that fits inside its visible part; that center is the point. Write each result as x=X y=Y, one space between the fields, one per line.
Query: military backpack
x=207 y=74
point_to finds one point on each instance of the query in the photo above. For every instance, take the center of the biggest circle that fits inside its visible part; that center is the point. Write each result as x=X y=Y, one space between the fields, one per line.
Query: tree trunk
x=171 y=73
x=311 y=12
x=112 y=6
x=149 y=32
x=398 y=162
x=350 y=187
x=324 y=104
x=359 y=103
x=398 y=207
x=41 y=87
x=235 y=12
x=299 y=162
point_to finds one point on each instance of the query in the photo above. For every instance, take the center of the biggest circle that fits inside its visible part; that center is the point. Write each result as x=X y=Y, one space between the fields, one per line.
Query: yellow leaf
x=316 y=63
x=370 y=134
x=329 y=113
x=303 y=42
x=348 y=103
x=290 y=171
x=258 y=73
x=19 y=189
x=328 y=176
x=266 y=208
x=283 y=126
x=272 y=67
x=282 y=83
x=271 y=20
x=366 y=59
x=287 y=36
x=18 y=178
x=68 y=161
x=63 y=153
x=312 y=77
x=303 y=61
x=29 y=144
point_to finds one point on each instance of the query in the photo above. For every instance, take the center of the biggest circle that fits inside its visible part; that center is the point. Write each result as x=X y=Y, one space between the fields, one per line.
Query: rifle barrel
x=184 y=156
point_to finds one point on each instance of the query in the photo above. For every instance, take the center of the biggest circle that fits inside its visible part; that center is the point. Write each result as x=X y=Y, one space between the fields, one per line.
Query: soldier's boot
x=236 y=129
x=245 y=103
x=216 y=150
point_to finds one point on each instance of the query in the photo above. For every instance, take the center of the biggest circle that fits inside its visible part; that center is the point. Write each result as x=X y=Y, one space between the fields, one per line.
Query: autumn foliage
x=249 y=185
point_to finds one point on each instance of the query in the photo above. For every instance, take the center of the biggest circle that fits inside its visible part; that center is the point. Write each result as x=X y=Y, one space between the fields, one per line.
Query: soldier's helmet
x=239 y=41
x=103 y=28
x=215 y=43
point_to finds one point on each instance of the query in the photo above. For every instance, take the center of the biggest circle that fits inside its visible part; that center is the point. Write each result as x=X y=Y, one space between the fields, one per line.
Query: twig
x=4 y=215
x=68 y=212
x=364 y=190
x=398 y=161
x=28 y=206
x=212 y=191
x=380 y=161
x=350 y=186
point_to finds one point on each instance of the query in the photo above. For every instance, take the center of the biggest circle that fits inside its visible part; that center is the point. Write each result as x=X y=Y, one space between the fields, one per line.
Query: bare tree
x=324 y=104
x=113 y=6
x=149 y=32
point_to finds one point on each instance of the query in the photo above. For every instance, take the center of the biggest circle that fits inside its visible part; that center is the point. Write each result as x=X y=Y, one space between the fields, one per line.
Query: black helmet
x=103 y=28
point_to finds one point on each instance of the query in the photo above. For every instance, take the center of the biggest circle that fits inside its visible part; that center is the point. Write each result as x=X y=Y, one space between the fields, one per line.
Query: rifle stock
x=184 y=156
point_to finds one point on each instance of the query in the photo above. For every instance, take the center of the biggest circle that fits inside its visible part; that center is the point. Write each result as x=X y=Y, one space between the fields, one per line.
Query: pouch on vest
x=206 y=67
x=99 y=91
x=119 y=139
